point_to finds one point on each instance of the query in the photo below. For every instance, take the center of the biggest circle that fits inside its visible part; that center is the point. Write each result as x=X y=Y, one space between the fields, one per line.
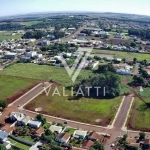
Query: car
x=112 y=145
x=65 y=122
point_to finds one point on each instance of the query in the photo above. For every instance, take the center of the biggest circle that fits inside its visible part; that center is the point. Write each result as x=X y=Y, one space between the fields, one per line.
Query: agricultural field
x=140 y=114
x=4 y=36
x=127 y=55
x=43 y=72
x=30 y=23
x=101 y=111
x=11 y=86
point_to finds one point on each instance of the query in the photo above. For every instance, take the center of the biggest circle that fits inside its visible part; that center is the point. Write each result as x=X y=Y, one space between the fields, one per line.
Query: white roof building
x=80 y=134
x=54 y=128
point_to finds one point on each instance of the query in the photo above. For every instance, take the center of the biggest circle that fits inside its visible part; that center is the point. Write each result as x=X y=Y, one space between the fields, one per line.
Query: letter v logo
x=76 y=63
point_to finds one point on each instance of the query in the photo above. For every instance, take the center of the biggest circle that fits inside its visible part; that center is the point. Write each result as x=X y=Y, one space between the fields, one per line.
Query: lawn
x=127 y=55
x=70 y=131
x=4 y=37
x=43 y=72
x=18 y=144
x=10 y=86
x=140 y=116
x=85 y=109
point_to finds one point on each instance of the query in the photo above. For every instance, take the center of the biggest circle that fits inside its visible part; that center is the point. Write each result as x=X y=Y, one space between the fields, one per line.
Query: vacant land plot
x=140 y=116
x=94 y=111
x=10 y=86
x=127 y=55
x=4 y=36
x=43 y=72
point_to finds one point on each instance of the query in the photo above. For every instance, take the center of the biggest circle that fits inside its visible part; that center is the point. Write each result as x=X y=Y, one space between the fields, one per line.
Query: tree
x=134 y=60
x=106 y=68
x=98 y=146
x=2 y=147
x=133 y=44
x=41 y=118
x=142 y=136
x=3 y=103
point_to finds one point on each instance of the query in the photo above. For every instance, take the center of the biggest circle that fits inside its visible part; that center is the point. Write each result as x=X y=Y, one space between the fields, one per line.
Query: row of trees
x=145 y=34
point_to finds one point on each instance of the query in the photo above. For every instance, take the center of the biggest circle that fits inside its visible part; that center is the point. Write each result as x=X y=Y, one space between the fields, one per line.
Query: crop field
x=11 y=86
x=84 y=109
x=3 y=36
x=127 y=55
x=43 y=72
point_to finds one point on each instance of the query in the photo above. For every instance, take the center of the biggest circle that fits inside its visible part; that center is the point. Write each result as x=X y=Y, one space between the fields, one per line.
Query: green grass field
x=4 y=37
x=84 y=109
x=30 y=23
x=127 y=55
x=19 y=145
x=43 y=72
x=9 y=86
x=140 y=115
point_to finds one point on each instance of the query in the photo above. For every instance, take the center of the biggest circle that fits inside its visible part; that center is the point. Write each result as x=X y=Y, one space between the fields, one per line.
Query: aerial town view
x=74 y=75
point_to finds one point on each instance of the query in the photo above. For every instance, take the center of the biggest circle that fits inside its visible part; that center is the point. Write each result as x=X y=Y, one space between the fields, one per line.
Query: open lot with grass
x=43 y=72
x=4 y=36
x=127 y=55
x=11 y=86
x=140 y=115
x=18 y=144
x=94 y=111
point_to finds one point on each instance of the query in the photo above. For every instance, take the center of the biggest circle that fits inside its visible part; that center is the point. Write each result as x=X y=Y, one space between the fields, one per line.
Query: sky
x=12 y=7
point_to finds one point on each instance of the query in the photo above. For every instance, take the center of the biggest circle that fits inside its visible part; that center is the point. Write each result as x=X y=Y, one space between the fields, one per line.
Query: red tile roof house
x=93 y=136
x=87 y=144
x=38 y=132
x=63 y=138
x=146 y=144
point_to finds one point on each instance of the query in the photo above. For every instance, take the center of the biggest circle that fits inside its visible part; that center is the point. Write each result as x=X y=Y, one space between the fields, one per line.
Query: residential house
x=93 y=136
x=119 y=35
x=63 y=138
x=16 y=116
x=7 y=127
x=3 y=136
x=55 y=128
x=123 y=71
x=25 y=59
x=24 y=121
x=10 y=55
x=87 y=144
x=34 y=123
x=132 y=141
x=146 y=144
x=79 y=134
x=38 y=132
x=31 y=54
